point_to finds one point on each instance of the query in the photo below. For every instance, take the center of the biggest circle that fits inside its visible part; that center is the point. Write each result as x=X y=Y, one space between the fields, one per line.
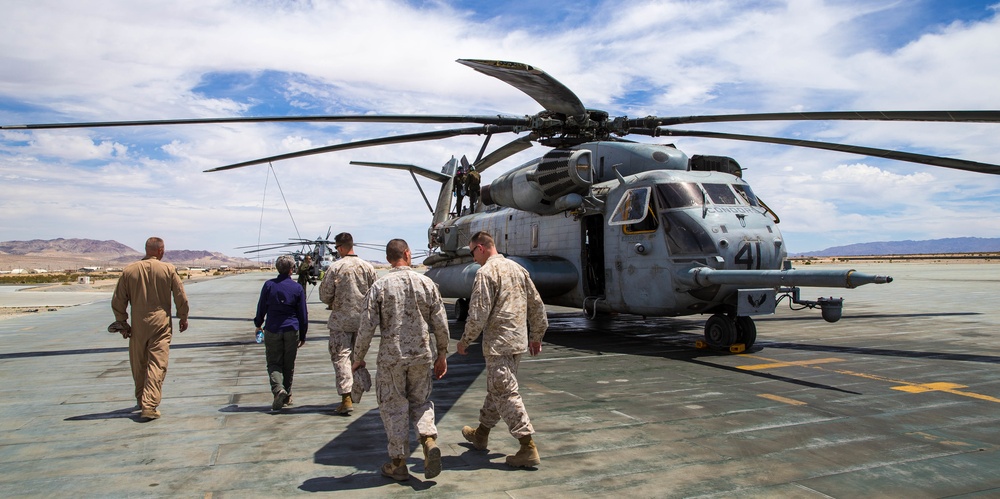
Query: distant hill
x=74 y=246
x=931 y=246
x=74 y=253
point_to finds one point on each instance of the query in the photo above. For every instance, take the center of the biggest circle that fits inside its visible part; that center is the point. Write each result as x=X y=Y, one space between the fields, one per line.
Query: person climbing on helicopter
x=459 y=186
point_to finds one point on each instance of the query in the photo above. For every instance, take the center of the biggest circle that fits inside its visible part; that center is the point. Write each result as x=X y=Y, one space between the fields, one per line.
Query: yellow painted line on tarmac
x=941 y=440
x=928 y=387
x=944 y=387
x=903 y=386
x=776 y=364
x=779 y=398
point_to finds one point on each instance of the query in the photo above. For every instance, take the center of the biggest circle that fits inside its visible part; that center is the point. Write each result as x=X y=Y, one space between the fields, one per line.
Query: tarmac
x=900 y=398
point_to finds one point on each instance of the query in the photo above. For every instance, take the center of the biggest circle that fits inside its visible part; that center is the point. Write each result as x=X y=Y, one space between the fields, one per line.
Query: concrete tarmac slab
x=901 y=398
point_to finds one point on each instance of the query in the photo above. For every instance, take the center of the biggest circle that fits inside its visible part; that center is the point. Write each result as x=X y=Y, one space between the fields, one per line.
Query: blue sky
x=116 y=60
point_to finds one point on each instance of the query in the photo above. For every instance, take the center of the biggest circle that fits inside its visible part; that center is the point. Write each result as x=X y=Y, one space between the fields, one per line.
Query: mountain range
x=926 y=247
x=70 y=253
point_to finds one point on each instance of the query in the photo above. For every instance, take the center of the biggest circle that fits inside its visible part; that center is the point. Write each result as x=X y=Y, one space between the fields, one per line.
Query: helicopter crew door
x=592 y=255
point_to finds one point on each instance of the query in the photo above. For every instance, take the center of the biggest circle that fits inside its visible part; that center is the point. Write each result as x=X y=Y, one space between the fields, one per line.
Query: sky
x=67 y=61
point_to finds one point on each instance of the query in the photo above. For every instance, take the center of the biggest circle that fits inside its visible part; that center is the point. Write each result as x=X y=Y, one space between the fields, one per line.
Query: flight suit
x=407 y=308
x=506 y=308
x=343 y=290
x=147 y=285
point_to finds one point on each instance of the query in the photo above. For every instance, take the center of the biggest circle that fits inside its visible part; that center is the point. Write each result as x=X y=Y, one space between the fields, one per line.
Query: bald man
x=147 y=286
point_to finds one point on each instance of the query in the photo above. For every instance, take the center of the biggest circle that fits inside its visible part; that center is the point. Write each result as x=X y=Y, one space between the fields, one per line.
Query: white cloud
x=120 y=60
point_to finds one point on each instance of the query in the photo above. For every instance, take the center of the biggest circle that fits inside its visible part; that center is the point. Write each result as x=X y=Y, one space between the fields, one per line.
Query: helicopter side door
x=639 y=278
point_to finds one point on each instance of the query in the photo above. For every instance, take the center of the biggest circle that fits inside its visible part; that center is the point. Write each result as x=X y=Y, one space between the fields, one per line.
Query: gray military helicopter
x=616 y=226
x=320 y=250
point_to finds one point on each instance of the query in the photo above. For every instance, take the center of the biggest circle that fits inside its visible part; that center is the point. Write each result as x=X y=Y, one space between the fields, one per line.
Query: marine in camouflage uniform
x=343 y=290
x=506 y=308
x=407 y=309
x=472 y=188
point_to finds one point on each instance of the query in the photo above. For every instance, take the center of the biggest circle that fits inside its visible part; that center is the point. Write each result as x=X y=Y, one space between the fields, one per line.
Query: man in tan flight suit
x=343 y=290
x=407 y=309
x=147 y=286
x=507 y=309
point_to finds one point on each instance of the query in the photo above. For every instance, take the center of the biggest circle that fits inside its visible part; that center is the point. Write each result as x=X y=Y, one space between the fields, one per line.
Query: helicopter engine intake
x=555 y=183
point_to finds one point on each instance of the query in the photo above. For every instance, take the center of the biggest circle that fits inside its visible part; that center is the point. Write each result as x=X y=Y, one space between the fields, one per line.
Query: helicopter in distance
x=321 y=251
x=610 y=225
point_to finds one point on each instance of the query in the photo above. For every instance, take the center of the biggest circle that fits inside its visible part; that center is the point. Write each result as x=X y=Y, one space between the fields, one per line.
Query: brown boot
x=346 y=406
x=527 y=455
x=478 y=436
x=396 y=469
x=149 y=414
x=432 y=457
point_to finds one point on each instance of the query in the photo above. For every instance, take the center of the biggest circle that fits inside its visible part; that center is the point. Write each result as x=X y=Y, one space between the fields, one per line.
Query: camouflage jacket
x=408 y=310
x=505 y=307
x=343 y=289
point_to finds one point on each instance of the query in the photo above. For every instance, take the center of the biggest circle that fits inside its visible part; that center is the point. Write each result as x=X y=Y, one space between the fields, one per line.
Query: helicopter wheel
x=746 y=331
x=461 y=309
x=720 y=331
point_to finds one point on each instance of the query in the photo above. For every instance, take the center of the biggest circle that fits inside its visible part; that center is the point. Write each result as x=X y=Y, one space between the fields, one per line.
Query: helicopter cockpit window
x=681 y=195
x=720 y=193
x=747 y=194
x=632 y=208
x=646 y=225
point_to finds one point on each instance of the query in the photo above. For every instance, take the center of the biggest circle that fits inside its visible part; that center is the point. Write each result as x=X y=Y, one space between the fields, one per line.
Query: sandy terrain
x=97 y=286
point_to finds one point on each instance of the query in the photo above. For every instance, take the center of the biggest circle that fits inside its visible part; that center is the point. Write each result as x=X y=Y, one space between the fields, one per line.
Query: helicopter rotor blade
x=958 y=164
x=537 y=84
x=388 y=118
x=509 y=149
x=941 y=116
x=397 y=139
x=419 y=170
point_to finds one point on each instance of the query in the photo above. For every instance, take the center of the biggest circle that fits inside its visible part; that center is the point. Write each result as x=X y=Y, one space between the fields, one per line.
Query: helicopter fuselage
x=652 y=221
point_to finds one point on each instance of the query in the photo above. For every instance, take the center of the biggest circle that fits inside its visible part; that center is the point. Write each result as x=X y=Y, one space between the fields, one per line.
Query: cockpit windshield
x=747 y=194
x=720 y=193
x=680 y=195
x=688 y=194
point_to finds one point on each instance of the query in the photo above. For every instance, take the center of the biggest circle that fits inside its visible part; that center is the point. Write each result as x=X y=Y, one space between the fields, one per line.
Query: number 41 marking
x=747 y=257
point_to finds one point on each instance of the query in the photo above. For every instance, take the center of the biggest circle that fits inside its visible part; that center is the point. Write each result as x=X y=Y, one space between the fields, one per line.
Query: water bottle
x=260 y=336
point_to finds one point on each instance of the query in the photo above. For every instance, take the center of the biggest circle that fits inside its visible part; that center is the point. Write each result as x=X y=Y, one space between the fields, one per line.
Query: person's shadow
x=129 y=413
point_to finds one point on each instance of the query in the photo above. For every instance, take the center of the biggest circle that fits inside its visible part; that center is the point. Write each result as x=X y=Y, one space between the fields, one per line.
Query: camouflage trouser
x=502 y=399
x=403 y=396
x=341 y=349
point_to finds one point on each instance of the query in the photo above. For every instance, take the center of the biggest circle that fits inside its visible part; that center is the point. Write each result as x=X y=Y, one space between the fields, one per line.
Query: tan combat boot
x=396 y=469
x=346 y=406
x=478 y=436
x=432 y=457
x=527 y=455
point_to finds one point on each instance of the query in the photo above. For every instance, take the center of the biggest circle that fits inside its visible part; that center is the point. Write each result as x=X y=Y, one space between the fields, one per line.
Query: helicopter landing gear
x=746 y=331
x=461 y=309
x=734 y=334
x=720 y=331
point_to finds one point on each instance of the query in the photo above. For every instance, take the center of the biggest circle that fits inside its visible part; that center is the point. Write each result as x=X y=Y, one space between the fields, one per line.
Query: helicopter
x=613 y=226
x=319 y=250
